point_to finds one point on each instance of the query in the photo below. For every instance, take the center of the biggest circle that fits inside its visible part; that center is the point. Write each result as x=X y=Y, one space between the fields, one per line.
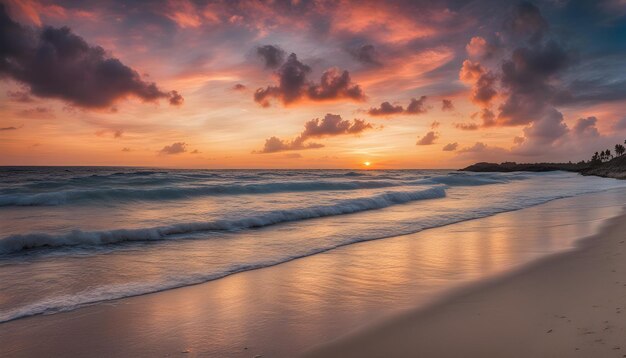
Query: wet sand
x=569 y=305
x=283 y=310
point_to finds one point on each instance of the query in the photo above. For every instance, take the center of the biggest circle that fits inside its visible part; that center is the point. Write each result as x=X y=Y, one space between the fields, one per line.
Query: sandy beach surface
x=571 y=305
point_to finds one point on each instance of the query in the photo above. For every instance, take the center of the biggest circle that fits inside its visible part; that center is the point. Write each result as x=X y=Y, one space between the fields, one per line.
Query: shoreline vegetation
x=603 y=164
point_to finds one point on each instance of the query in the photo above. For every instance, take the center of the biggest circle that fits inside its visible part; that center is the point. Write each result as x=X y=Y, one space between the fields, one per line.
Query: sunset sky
x=310 y=84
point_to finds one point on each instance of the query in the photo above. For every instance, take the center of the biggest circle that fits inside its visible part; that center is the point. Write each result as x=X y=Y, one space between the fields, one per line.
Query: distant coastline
x=614 y=168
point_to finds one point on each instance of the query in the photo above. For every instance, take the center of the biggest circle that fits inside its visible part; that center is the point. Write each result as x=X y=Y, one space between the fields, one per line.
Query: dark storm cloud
x=174 y=148
x=272 y=55
x=293 y=85
x=530 y=77
x=527 y=79
x=56 y=63
x=292 y=81
x=330 y=125
x=527 y=22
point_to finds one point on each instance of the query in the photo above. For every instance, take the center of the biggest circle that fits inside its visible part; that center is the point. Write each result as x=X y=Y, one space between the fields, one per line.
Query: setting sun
x=367 y=164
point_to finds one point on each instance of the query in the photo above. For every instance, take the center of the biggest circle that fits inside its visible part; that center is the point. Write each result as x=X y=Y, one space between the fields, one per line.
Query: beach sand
x=568 y=305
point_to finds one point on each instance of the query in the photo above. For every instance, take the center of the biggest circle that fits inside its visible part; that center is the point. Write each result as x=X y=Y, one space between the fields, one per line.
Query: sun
x=367 y=164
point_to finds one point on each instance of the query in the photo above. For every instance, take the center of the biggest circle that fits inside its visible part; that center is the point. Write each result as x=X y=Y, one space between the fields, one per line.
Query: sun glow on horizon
x=367 y=164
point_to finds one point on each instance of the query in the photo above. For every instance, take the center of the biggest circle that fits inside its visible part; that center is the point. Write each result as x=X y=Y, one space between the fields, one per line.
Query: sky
x=310 y=84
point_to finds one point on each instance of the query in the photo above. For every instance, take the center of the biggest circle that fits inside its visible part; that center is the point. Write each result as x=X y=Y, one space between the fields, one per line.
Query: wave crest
x=17 y=243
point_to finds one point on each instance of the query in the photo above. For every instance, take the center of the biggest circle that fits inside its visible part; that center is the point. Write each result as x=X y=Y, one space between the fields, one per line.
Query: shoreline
x=567 y=304
x=285 y=309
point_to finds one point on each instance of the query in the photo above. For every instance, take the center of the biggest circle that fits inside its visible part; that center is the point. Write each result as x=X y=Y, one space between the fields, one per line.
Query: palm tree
x=619 y=149
x=595 y=158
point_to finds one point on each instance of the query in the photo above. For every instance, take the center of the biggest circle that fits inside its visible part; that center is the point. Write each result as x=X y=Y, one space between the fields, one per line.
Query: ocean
x=74 y=236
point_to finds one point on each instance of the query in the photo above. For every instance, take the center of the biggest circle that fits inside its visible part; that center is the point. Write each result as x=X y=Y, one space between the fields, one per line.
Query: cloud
x=447 y=105
x=292 y=155
x=385 y=109
x=527 y=22
x=175 y=98
x=126 y=149
x=434 y=125
x=56 y=63
x=476 y=148
x=487 y=116
x=8 y=128
x=450 y=147
x=542 y=134
x=293 y=85
x=275 y=144
x=37 y=112
x=483 y=82
x=292 y=81
x=527 y=81
x=466 y=126
x=239 y=87
x=19 y=96
x=417 y=106
x=479 y=48
x=330 y=125
x=335 y=84
x=586 y=127
x=272 y=55
x=428 y=139
x=175 y=148
x=365 y=54
x=620 y=124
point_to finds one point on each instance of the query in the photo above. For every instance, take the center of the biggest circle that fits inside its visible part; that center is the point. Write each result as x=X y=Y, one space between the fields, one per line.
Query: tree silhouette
x=619 y=149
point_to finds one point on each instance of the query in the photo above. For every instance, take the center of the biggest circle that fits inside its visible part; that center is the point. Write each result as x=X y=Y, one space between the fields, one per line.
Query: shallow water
x=74 y=236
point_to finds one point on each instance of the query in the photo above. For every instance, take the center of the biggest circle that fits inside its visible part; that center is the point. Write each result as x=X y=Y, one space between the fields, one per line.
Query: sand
x=569 y=305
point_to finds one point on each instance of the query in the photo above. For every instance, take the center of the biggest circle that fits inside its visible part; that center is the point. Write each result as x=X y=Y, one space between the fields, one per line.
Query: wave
x=17 y=243
x=62 y=197
x=69 y=302
x=163 y=193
